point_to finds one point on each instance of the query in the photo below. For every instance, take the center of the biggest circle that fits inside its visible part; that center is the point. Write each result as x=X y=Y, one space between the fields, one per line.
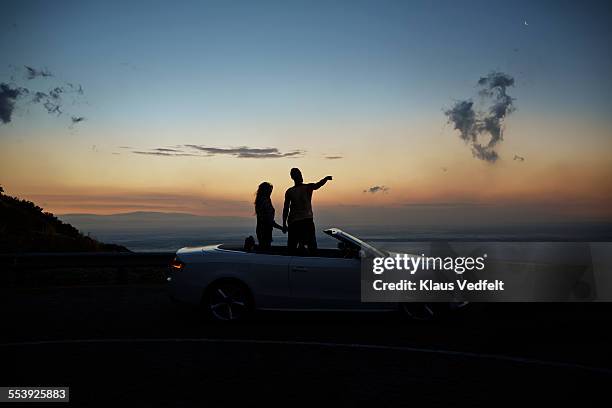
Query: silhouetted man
x=297 y=211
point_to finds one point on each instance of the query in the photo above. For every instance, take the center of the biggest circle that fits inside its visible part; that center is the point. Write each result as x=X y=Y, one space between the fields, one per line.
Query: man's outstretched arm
x=321 y=182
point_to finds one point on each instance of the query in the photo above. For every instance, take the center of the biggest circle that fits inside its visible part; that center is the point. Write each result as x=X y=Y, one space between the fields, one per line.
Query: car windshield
x=345 y=237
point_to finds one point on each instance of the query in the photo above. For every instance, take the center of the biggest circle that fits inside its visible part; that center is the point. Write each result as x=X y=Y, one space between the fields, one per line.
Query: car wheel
x=424 y=311
x=227 y=301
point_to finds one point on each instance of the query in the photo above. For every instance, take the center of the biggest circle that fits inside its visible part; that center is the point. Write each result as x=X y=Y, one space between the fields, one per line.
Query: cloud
x=518 y=158
x=78 y=88
x=32 y=73
x=8 y=97
x=495 y=82
x=243 y=152
x=376 y=189
x=51 y=99
x=246 y=152
x=334 y=157
x=473 y=125
x=167 y=154
x=166 y=150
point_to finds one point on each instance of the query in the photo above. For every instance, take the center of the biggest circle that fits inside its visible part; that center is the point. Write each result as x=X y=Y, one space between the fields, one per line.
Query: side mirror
x=362 y=254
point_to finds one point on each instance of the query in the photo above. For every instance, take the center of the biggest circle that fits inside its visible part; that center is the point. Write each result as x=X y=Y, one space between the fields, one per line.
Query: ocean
x=167 y=238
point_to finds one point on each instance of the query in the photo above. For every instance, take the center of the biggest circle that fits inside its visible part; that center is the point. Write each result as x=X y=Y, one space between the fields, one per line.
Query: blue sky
x=337 y=78
x=236 y=59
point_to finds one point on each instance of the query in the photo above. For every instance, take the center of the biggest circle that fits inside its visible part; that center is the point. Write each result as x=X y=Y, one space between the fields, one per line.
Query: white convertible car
x=228 y=282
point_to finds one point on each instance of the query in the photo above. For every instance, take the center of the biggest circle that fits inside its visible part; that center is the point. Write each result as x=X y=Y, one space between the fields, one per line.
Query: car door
x=269 y=278
x=325 y=283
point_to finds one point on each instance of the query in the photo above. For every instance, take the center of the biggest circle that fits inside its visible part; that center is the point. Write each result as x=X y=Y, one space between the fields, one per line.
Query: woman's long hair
x=263 y=193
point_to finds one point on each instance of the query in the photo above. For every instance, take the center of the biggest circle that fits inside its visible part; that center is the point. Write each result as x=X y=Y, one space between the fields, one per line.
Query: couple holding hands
x=297 y=213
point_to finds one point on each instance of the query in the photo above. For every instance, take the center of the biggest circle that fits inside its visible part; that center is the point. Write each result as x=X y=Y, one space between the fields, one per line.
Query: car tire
x=227 y=301
x=424 y=312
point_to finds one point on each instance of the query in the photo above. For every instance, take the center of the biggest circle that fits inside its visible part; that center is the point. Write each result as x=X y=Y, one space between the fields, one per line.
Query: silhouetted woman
x=265 y=215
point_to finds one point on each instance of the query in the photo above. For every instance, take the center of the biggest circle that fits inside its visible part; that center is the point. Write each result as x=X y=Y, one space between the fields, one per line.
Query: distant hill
x=143 y=221
x=159 y=231
x=25 y=227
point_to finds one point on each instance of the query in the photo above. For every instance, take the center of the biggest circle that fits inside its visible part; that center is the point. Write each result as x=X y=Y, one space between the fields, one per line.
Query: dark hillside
x=25 y=227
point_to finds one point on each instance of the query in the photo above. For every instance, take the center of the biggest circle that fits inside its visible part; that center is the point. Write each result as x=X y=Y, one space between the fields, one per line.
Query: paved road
x=131 y=343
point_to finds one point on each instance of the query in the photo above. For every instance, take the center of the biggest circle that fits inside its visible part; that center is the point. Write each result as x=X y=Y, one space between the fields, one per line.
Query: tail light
x=177 y=265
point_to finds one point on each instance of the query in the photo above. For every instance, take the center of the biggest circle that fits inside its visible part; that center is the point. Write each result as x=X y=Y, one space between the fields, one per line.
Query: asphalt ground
x=130 y=344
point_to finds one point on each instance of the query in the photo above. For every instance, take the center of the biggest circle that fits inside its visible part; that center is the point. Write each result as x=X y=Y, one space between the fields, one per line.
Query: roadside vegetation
x=26 y=227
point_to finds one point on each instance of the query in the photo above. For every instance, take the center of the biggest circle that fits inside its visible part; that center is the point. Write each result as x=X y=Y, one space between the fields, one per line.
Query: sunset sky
x=353 y=89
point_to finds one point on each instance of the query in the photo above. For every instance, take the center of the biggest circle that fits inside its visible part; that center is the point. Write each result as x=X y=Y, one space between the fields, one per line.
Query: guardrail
x=53 y=269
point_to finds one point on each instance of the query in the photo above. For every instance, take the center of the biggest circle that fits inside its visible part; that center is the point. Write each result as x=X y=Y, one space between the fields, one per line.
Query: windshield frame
x=343 y=236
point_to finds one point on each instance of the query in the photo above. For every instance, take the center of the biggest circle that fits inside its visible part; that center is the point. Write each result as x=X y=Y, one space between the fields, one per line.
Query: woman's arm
x=268 y=212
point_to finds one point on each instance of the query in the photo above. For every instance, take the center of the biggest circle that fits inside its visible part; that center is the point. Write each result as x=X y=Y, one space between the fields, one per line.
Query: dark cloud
x=32 y=73
x=473 y=125
x=518 y=158
x=158 y=153
x=191 y=150
x=163 y=149
x=56 y=93
x=76 y=88
x=376 y=189
x=463 y=117
x=51 y=99
x=53 y=106
x=495 y=82
x=246 y=152
x=8 y=97
x=39 y=97
x=334 y=157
